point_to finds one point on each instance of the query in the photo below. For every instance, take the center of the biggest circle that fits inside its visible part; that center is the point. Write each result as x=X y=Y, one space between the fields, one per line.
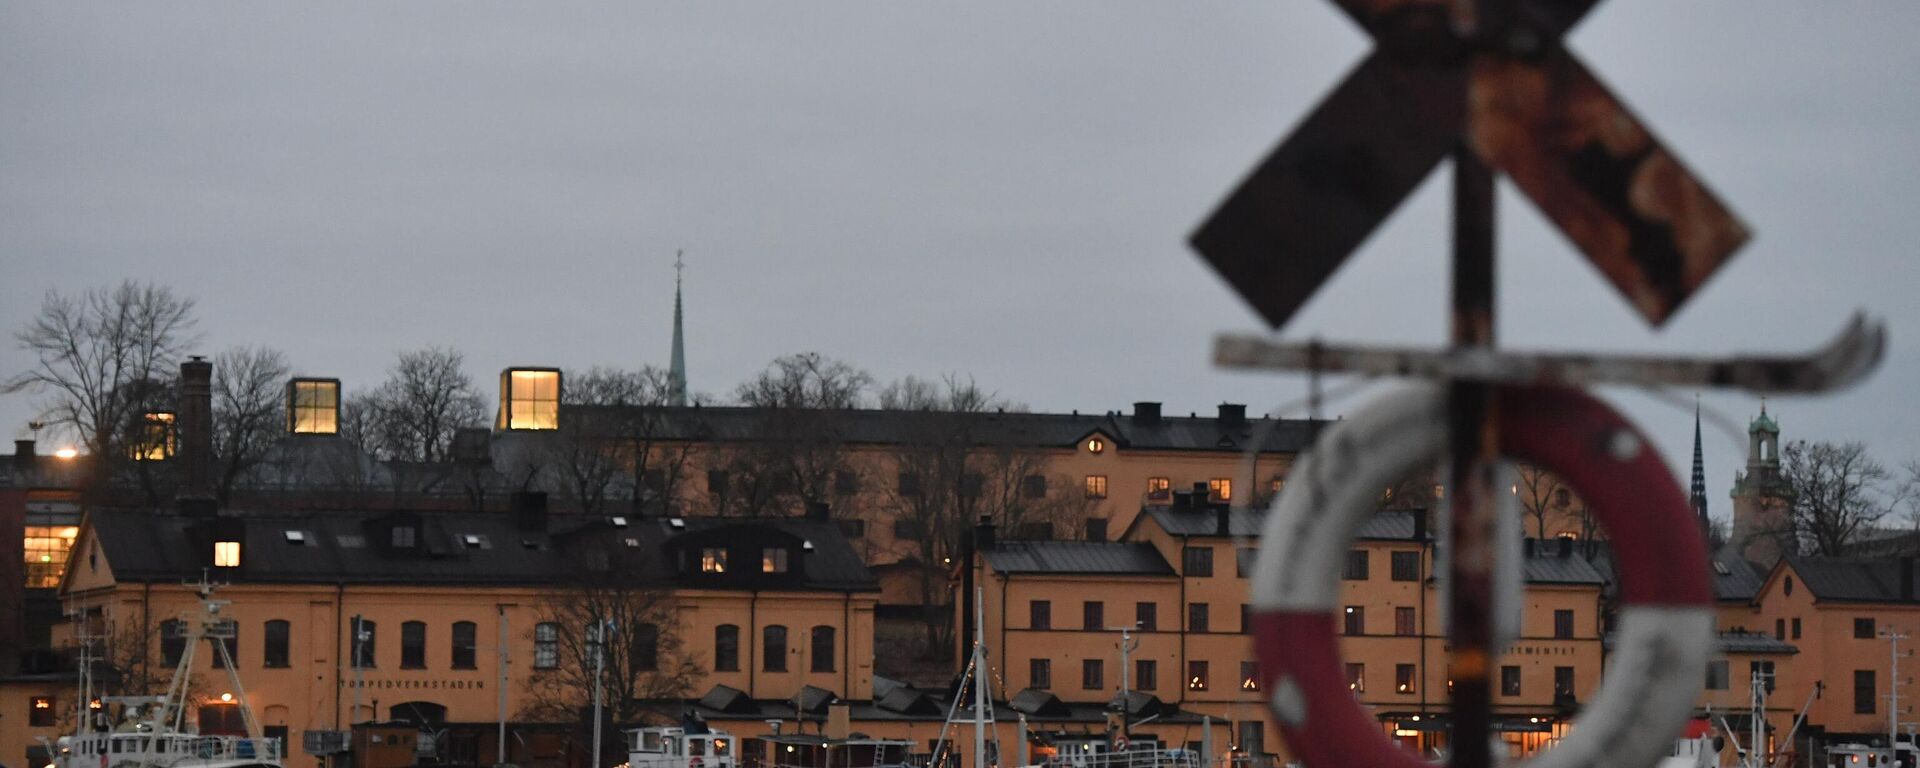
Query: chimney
x=1526 y=547
x=983 y=534
x=1233 y=415
x=1222 y=520
x=1906 y=578
x=23 y=456
x=529 y=510
x=818 y=510
x=1146 y=413
x=1566 y=547
x=196 y=428
x=1201 y=495
x=1419 y=524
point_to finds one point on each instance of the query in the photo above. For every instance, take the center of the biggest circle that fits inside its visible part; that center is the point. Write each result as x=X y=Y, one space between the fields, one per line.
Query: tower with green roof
x=1761 y=526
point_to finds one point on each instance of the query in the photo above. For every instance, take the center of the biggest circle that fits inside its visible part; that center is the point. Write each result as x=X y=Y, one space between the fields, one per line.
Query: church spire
x=677 y=369
x=1698 y=492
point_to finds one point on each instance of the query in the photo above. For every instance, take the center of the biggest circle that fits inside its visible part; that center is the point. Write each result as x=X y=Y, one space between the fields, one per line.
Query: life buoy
x=1120 y=743
x=1663 y=633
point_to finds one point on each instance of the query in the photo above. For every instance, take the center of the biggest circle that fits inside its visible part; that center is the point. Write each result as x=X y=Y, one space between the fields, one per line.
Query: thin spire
x=1698 y=492
x=677 y=369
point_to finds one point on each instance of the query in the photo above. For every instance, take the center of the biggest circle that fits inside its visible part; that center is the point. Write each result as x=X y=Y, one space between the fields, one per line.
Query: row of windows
x=773 y=648
x=1093 y=614
x=1405 y=677
x=1145 y=675
x=276 y=635
x=1093 y=618
x=1404 y=565
x=1197 y=562
x=847 y=483
x=772 y=560
x=1405 y=622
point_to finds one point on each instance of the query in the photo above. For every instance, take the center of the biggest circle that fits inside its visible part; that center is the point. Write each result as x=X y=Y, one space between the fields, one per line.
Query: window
x=413 y=645
x=1764 y=669
x=713 y=560
x=1146 y=673
x=1718 y=676
x=1404 y=622
x=465 y=645
x=155 y=438
x=1509 y=681
x=1034 y=486
x=1779 y=629
x=226 y=554
x=1096 y=445
x=773 y=642
x=1093 y=615
x=1249 y=676
x=1562 y=684
x=1403 y=678
x=546 y=645
x=1096 y=486
x=773 y=560
x=909 y=484
x=1096 y=529
x=403 y=537
x=42 y=713
x=1196 y=675
x=1197 y=617
x=726 y=648
x=1355 y=620
x=846 y=482
x=47 y=550
x=1355 y=567
x=313 y=406
x=643 y=653
x=1040 y=673
x=365 y=639
x=1220 y=489
x=1563 y=624
x=529 y=399
x=1863 y=627
x=1147 y=616
x=822 y=649
x=173 y=641
x=1405 y=566
x=1091 y=672
x=1040 y=615
x=1789 y=586
x=1159 y=488
x=1198 y=561
x=1356 y=677
x=275 y=640
x=1796 y=628
x=1243 y=561
x=1863 y=692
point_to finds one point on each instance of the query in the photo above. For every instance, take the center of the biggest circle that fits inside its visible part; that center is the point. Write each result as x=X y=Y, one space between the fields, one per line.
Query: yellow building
x=344 y=617
x=1177 y=581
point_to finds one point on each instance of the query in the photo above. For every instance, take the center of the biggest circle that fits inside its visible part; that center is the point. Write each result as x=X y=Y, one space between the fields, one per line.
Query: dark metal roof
x=1558 y=562
x=1865 y=580
x=1091 y=557
x=885 y=427
x=454 y=548
x=1754 y=642
x=1241 y=523
x=1736 y=579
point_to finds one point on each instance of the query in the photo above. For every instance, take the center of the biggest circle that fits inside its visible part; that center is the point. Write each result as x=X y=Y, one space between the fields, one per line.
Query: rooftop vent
x=676 y=523
x=807 y=545
x=297 y=538
x=474 y=541
x=618 y=521
x=1146 y=413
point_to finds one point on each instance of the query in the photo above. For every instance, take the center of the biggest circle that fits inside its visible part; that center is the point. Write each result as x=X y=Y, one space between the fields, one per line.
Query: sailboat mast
x=979 y=682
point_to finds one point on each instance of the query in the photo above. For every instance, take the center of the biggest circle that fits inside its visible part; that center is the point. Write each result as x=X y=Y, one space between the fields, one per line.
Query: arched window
x=774 y=648
x=463 y=645
x=173 y=641
x=276 y=638
x=546 y=645
x=645 y=650
x=726 y=648
x=822 y=649
x=413 y=645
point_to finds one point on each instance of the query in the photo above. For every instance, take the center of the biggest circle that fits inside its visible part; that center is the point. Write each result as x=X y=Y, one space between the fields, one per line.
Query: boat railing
x=1128 y=758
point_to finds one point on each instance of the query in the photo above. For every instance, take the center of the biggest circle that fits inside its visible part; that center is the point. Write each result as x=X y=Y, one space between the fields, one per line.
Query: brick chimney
x=195 y=426
x=1232 y=415
x=1146 y=413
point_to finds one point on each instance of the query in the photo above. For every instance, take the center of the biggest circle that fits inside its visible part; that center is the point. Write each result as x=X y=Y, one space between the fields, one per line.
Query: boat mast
x=1893 y=688
x=979 y=682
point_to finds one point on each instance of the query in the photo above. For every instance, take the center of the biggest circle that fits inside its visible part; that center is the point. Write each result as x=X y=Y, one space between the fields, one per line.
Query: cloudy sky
x=996 y=189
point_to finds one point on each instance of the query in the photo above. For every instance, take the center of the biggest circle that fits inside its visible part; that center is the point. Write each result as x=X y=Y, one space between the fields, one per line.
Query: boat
x=679 y=747
x=153 y=731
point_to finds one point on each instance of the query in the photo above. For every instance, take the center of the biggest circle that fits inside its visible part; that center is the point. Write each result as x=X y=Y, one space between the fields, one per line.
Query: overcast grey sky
x=1000 y=189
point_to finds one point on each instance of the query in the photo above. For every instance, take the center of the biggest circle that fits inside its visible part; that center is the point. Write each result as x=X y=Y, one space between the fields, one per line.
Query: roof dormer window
x=529 y=399
x=226 y=554
x=773 y=560
x=713 y=560
x=474 y=541
x=155 y=441
x=618 y=521
x=297 y=538
x=313 y=406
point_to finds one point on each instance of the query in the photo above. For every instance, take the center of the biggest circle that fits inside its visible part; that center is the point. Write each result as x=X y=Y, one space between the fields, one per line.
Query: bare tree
x=248 y=386
x=644 y=656
x=413 y=415
x=1543 y=495
x=1838 y=492
x=799 y=448
x=96 y=352
x=615 y=428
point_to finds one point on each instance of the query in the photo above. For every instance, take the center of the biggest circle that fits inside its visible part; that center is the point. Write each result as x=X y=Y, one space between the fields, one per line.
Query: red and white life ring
x=1663 y=633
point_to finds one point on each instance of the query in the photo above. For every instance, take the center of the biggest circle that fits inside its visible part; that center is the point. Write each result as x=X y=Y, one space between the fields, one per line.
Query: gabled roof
x=1078 y=557
x=1753 y=642
x=1855 y=580
x=1735 y=578
x=453 y=548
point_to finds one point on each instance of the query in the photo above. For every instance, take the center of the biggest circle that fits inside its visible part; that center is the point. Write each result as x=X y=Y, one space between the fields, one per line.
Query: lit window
x=1357 y=677
x=313 y=406
x=1249 y=676
x=155 y=442
x=713 y=560
x=1403 y=678
x=1096 y=445
x=772 y=560
x=1220 y=489
x=41 y=712
x=529 y=398
x=1159 y=487
x=1096 y=486
x=47 y=549
x=1196 y=675
x=226 y=554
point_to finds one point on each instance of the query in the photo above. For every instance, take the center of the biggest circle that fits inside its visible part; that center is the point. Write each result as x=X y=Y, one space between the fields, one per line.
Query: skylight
x=297 y=538
x=618 y=521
